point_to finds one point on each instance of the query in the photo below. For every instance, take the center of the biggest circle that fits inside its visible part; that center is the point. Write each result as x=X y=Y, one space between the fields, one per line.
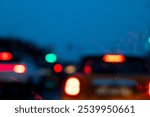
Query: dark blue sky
x=90 y=26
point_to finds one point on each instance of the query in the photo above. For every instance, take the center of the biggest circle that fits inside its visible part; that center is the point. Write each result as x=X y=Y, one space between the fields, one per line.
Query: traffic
x=33 y=73
x=111 y=76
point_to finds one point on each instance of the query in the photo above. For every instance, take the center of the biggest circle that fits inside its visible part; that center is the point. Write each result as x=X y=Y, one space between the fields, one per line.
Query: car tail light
x=5 y=56
x=6 y=67
x=72 y=86
x=149 y=88
x=19 y=68
x=58 y=68
x=118 y=58
x=87 y=69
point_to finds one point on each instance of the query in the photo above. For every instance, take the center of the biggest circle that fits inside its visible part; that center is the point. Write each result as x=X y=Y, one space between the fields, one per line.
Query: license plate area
x=113 y=91
x=111 y=87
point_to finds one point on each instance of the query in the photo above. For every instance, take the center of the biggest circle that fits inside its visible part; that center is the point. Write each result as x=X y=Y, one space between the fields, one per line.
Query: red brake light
x=6 y=67
x=19 y=68
x=114 y=58
x=5 y=56
x=72 y=86
x=58 y=68
x=87 y=69
x=149 y=88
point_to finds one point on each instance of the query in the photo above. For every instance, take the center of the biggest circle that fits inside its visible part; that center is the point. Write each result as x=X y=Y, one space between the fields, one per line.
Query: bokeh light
x=51 y=58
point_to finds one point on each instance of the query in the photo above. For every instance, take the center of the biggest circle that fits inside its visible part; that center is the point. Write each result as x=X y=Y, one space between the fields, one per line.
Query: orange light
x=70 y=69
x=149 y=88
x=58 y=68
x=5 y=56
x=19 y=68
x=114 y=58
x=72 y=86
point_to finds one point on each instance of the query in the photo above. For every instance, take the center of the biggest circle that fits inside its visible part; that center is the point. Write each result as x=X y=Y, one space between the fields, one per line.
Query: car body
x=40 y=79
x=12 y=70
x=110 y=76
x=14 y=77
x=20 y=69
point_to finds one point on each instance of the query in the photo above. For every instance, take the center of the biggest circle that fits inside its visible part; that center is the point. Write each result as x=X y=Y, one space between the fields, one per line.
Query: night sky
x=79 y=27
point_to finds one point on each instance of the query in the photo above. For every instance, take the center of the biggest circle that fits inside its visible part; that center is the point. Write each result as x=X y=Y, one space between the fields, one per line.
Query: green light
x=149 y=39
x=51 y=58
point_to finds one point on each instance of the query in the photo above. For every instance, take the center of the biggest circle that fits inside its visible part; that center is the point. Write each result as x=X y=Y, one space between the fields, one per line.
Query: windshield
x=53 y=40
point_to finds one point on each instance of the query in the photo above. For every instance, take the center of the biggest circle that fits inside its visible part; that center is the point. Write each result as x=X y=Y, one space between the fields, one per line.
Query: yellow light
x=19 y=68
x=70 y=69
x=113 y=58
x=72 y=86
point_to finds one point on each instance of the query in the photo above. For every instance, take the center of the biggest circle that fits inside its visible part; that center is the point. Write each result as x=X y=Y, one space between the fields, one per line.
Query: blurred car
x=111 y=76
x=21 y=64
x=13 y=77
x=12 y=70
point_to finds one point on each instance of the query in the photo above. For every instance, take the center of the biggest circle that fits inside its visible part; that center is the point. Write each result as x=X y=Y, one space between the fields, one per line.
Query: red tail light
x=87 y=69
x=149 y=88
x=72 y=86
x=5 y=56
x=114 y=58
x=6 y=67
x=58 y=68
x=19 y=68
